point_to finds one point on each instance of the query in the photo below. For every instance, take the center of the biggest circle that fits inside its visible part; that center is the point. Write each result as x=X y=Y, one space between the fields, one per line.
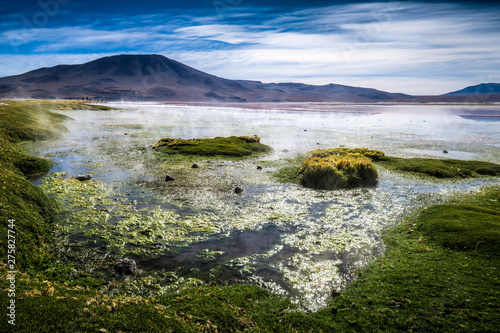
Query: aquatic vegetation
x=441 y=168
x=234 y=146
x=330 y=169
x=374 y=155
x=336 y=172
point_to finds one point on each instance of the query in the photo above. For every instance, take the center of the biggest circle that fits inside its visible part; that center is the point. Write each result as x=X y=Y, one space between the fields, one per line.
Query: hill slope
x=157 y=78
x=480 y=89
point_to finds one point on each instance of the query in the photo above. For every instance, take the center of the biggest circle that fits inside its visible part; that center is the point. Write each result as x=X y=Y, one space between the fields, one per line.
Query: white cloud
x=411 y=47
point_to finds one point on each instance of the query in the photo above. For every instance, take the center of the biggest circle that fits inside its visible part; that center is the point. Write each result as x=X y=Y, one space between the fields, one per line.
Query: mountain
x=480 y=89
x=157 y=78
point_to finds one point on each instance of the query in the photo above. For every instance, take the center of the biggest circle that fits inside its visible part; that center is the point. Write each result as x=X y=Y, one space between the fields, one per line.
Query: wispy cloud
x=412 y=47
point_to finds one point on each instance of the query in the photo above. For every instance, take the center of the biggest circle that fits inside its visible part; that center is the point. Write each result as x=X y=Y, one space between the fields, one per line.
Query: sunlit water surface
x=292 y=240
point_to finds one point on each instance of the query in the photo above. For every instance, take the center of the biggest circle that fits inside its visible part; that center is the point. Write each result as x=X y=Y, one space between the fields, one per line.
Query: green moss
x=334 y=168
x=374 y=155
x=336 y=172
x=463 y=227
x=31 y=209
x=233 y=146
x=441 y=168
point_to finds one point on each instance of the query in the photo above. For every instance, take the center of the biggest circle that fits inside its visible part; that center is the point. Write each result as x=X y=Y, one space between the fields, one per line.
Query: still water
x=295 y=241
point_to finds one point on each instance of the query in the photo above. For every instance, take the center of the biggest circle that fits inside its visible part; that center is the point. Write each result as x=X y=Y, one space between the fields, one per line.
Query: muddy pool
x=295 y=241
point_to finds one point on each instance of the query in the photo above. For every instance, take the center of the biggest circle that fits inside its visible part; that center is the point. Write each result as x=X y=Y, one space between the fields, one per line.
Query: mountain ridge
x=154 y=77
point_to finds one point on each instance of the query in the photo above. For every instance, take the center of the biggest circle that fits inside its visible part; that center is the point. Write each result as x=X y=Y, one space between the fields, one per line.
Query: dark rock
x=83 y=177
x=335 y=293
x=126 y=266
x=169 y=178
x=195 y=166
x=125 y=134
x=238 y=190
x=445 y=152
x=259 y=167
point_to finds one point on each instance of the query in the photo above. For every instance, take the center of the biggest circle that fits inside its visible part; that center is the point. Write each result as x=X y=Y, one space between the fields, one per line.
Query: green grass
x=321 y=164
x=330 y=169
x=441 y=168
x=338 y=172
x=233 y=146
x=27 y=204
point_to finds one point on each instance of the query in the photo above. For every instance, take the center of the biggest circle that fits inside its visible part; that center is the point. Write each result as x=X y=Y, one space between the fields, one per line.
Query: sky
x=413 y=47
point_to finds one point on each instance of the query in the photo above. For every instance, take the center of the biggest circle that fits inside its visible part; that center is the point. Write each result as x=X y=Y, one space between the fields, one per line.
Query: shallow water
x=292 y=240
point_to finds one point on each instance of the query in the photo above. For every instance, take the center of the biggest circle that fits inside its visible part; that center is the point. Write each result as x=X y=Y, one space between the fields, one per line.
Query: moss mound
x=374 y=155
x=336 y=172
x=463 y=227
x=233 y=146
x=441 y=168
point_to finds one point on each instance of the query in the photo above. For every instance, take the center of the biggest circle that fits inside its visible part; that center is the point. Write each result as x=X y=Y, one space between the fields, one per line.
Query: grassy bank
x=32 y=210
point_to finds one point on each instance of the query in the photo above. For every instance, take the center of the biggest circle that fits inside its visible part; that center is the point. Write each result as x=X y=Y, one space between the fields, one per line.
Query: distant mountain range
x=157 y=78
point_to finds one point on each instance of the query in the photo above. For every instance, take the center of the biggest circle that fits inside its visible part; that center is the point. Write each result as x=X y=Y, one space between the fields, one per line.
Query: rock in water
x=83 y=177
x=195 y=166
x=238 y=190
x=169 y=178
x=259 y=167
x=445 y=152
x=126 y=266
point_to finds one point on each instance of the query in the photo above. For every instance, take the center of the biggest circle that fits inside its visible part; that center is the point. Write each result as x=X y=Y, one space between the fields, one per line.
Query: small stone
x=195 y=166
x=83 y=177
x=125 y=133
x=259 y=167
x=126 y=266
x=102 y=330
x=169 y=178
x=285 y=150
x=238 y=190
x=445 y=152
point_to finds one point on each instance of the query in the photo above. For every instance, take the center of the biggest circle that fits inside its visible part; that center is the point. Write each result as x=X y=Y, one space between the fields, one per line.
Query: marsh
x=289 y=239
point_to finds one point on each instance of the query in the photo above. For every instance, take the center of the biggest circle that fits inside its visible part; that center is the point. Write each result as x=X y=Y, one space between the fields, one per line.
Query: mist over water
x=292 y=240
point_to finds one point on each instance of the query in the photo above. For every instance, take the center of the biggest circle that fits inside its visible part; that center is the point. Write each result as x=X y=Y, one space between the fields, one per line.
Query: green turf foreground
x=233 y=146
x=421 y=284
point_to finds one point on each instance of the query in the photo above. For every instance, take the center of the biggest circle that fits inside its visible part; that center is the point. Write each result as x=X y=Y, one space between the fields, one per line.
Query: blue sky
x=397 y=46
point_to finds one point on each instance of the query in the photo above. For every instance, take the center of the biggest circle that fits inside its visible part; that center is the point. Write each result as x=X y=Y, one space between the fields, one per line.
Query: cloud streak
x=410 y=47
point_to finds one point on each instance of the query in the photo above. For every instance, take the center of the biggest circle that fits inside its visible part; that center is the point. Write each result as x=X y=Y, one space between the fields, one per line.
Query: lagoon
x=295 y=241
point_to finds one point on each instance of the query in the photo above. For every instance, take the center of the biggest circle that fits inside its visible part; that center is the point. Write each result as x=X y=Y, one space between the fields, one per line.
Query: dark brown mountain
x=157 y=78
